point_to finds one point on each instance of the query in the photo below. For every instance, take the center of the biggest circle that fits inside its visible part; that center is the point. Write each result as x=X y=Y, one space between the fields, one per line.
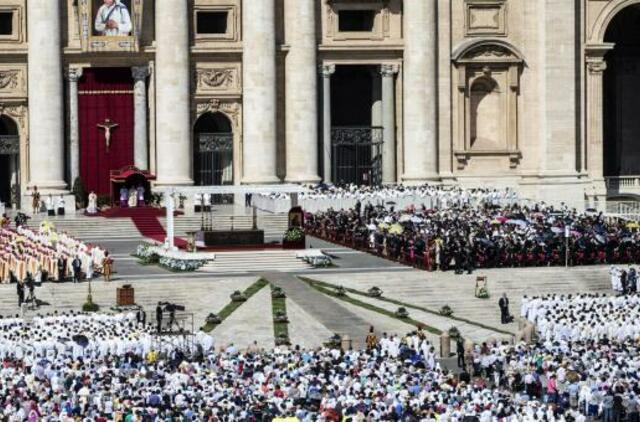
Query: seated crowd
x=465 y=238
x=115 y=371
x=47 y=255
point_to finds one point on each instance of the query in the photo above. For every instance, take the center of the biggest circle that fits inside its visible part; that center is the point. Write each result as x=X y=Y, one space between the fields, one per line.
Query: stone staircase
x=255 y=262
x=94 y=229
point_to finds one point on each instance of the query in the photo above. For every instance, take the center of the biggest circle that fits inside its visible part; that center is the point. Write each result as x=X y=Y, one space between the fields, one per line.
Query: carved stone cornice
x=216 y=78
x=596 y=66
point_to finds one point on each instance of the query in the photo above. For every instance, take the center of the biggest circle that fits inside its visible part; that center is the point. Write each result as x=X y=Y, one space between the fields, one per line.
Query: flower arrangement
x=294 y=234
x=374 y=292
x=181 y=265
x=402 y=312
x=446 y=311
x=146 y=254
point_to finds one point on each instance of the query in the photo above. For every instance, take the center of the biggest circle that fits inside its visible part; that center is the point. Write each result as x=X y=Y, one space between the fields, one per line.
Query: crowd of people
x=46 y=254
x=111 y=367
x=322 y=197
x=463 y=238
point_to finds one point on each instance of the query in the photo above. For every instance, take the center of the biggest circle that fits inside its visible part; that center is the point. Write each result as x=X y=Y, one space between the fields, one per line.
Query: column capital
x=388 y=70
x=596 y=65
x=327 y=70
x=74 y=74
x=140 y=73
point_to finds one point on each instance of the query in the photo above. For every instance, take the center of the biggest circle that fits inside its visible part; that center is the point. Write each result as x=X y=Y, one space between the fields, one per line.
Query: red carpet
x=117 y=212
x=146 y=221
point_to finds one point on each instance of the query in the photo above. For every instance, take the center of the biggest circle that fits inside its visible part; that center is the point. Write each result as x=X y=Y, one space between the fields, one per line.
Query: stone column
x=140 y=143
x=327 y=71
x=420 y=91
x=259 y=92
x=595 y=130
x=301 y=93
x=46 y=110
x=388 y=123
x=73 y=76
x=173 y=121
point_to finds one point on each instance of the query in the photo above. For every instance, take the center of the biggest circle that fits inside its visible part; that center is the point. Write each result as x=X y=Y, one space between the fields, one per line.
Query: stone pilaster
x=173 y=122
x=73 y=76
x=595 y=129
x=301 y=93
x=327 y=71
x=259 y=92
x=420 y=91
x=46 y=111
x=140 y=143
x=388 y=73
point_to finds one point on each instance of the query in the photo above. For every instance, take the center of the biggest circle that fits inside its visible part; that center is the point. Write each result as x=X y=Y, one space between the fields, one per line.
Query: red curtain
x=105 y=93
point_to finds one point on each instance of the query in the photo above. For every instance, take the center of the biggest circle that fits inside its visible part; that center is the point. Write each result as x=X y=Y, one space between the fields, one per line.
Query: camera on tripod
x=171 y=307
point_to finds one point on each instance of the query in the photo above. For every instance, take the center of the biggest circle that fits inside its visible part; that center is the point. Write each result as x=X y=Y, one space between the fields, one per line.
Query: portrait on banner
x=112 y=18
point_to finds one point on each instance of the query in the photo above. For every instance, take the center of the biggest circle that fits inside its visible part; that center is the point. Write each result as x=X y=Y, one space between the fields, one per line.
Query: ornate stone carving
x=216 y=78
x=140 y=73
x=596 y=66
x=214 y=105
x=488 y=51
x=215 y=142
x=17 y=112
x=74 y=74
x=327 y=70
x=9 y=79
x=388 y=70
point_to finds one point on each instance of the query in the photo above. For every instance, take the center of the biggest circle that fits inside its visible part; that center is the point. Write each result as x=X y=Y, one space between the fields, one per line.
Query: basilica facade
x=539 y=95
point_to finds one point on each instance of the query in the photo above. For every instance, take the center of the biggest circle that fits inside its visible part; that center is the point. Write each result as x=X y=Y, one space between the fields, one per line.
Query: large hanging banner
x=105 y=103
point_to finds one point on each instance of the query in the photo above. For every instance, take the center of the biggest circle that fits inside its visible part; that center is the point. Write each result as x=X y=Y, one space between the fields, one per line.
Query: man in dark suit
x=503 y=303
x=76 y=265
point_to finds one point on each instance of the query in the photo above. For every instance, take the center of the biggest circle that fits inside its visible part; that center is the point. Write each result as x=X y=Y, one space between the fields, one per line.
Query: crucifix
x=107 y=125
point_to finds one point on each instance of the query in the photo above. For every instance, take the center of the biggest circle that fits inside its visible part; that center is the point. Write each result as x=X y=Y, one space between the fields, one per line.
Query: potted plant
x=402 y=312
x=374 y=292
x=280 y=317
x=238 y=296
x=454 y=333
x=446 y=311
x=213 y=319
x=482 y=293
x=294 y=238
x=278 y=293
x=282 y=340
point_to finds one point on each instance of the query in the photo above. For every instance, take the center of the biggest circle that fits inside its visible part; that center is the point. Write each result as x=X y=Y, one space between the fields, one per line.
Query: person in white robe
x=113 y=19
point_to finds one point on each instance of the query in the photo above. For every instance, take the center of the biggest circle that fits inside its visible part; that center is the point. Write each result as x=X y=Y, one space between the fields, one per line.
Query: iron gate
x=9 y=150
x=356 y=155
x=214 y=162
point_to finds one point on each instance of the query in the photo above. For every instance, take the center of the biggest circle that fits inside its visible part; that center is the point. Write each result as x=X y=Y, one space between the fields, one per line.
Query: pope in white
x=113 y=19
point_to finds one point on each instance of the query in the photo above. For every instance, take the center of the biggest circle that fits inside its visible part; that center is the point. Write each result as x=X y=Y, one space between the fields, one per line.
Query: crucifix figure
x=107 y=125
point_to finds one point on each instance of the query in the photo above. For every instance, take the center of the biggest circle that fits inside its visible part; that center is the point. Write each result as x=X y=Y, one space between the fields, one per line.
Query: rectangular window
x=6 y=23
x=211 y=22
x=356 y=20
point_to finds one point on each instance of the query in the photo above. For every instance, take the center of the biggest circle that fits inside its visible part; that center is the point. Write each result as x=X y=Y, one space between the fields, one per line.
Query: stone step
x=244 y=262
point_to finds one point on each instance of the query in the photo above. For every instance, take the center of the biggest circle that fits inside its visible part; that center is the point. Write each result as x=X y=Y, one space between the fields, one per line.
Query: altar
x=133 y=180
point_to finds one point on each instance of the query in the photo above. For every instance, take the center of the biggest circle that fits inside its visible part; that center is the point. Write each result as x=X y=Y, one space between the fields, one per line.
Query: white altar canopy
x=170 y=193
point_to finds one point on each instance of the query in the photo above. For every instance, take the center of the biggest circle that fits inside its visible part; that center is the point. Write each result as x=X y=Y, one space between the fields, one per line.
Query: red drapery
x=104 y=93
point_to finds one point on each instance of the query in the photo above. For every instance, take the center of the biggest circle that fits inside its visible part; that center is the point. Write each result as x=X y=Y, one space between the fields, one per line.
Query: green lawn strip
x=410 y=306
x=280 y=329
x=356 y=302
x=232 y=306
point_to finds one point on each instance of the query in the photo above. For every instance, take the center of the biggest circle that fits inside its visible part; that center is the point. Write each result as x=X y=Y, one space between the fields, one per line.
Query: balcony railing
x=356 y=135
